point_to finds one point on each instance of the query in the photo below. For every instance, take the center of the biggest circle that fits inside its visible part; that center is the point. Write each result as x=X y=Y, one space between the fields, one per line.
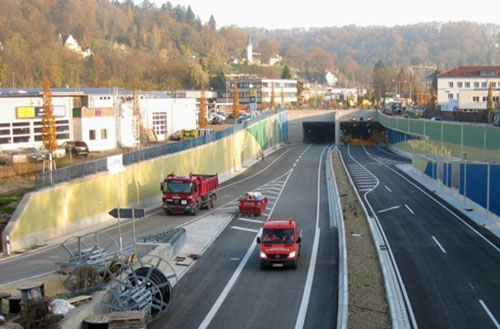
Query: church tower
x=249 y=51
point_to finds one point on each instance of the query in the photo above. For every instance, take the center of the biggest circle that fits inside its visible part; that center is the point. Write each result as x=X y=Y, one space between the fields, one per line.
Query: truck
x=279 y=243
x=188 y=194
x=186 y=134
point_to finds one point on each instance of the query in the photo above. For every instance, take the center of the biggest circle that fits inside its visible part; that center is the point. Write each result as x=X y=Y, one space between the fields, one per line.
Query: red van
x=279 y=243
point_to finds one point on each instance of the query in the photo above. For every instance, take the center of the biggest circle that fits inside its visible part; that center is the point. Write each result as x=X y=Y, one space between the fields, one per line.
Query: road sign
x=127 y=213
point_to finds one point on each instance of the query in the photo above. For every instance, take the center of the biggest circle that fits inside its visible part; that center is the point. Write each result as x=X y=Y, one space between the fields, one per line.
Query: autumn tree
x=380 y=79
x=490 y=106
x=273 y=96
x=49 y=136
x=202 y=113
x=236 y=101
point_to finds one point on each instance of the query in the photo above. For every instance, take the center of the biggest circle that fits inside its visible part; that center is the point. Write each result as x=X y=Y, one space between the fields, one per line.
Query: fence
x=477 y=182
x=67 y=174
x=476 y=142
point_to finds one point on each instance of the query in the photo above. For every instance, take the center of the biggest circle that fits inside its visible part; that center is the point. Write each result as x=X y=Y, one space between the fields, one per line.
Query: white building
x=255 y=91
x=465 y=88
x=73 y=45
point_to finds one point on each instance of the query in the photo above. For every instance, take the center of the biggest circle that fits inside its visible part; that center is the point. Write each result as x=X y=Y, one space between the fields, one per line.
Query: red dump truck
x=188 y=194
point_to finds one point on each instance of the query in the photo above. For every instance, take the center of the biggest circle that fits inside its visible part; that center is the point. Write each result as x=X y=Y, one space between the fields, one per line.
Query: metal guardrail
x=67 y=174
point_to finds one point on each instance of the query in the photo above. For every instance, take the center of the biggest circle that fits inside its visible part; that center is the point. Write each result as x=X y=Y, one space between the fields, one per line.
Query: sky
x=287 y=14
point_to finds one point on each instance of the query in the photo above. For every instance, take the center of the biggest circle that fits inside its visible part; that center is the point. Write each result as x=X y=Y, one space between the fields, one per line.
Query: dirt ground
x=367 y=302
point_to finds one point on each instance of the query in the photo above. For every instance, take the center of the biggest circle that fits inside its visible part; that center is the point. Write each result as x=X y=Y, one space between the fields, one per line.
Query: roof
x=280 y=223
x=471 y=72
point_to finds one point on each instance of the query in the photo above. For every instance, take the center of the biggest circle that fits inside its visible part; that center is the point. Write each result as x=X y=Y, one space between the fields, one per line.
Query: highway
x=227 y=289
x=448 y=265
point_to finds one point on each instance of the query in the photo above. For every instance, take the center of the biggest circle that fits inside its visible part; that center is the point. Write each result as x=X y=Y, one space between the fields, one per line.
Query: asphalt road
x=449 y=266
x=227 y=289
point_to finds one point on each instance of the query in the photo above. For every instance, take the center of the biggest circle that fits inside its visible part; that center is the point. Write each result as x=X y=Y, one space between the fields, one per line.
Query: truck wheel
x=213 y=201
x=195 y=209
x=167 y=212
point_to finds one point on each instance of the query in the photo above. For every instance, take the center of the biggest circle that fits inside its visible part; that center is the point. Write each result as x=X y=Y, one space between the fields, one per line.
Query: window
x=495 y=98
x=485 y=98
x=159 y=123
x=450 y=84
x=104 y=134
x=467 y=85
x=475 y=98
x=476 y=84
x=484 y=84
x=493 y=85
x=459 y=84
x=450 y=96
x=92 y=134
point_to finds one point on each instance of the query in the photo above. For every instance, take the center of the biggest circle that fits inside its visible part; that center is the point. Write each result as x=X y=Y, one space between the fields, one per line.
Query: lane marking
x=234 y=258
x=387 y=188
x=251 y=220
x=225 y=292
x=28 y=278
x=304 y=304
x=409 y=209
x=391 y=208
x=492 y=318
x=244 y=229
x=439 y=244
x=472 y=287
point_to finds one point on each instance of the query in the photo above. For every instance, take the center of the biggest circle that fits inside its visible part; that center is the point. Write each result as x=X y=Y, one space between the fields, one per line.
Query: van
x=279 y=243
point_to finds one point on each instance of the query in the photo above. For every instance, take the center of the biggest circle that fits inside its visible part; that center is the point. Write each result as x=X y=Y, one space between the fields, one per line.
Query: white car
x=58 y=153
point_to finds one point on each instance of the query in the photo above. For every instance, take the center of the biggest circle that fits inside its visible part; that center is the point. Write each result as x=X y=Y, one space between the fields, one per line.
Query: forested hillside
x=168 y=47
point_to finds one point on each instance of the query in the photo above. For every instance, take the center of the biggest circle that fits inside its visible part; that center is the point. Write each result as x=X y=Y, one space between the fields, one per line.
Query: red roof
x=472 y=72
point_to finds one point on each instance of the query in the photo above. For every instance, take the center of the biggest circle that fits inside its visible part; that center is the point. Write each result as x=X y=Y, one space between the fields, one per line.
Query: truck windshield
x=179 y=187
x=278 y=236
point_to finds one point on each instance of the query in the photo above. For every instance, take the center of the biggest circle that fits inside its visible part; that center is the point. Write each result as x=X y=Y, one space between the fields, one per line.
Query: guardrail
x=70 y=173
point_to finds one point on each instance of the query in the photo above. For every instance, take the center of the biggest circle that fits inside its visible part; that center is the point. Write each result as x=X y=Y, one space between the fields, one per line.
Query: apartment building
x=465 y=88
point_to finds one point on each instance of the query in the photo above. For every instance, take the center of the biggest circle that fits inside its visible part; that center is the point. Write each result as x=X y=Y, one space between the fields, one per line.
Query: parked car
x=76 y=148
x=16 y=156
x=175 y=136
x=215 y=120
x=33 y=154
x=243 y=117
x=436 y=119
x=58 y=153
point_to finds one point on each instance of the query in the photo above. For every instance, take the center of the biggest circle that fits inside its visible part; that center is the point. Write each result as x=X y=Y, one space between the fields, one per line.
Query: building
x=465 y=88
x=73 y=45
x=103 y=118
x=253 y=92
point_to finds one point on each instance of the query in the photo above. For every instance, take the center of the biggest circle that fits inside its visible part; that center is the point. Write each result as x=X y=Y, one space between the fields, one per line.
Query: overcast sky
x=286 y=14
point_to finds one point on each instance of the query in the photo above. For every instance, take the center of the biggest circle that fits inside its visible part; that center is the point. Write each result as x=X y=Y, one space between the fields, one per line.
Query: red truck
x=279 y=243
x=188 y=194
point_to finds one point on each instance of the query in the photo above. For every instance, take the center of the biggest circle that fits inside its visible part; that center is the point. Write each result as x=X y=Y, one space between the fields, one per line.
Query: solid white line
x=251 y=220
x=409 y=209
x=244 y=229
x=304 y=304
x=215 y=308
x=387 y=188
x=391 y=208
x=30 y=278
x=492 y=318
x=439 y=244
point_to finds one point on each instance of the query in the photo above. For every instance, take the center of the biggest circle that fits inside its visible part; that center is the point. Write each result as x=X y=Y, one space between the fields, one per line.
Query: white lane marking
x=28 y=278
x=391 y=208
x=234 y=258
x=244 y=229
x=409 y=209
x=251 y=220
x=387 y=188
x=439 y=244
x=225 y=292
x=472 y=287
x=438 y=202
x=295 y=164
x=487 y=310
x=304 y=304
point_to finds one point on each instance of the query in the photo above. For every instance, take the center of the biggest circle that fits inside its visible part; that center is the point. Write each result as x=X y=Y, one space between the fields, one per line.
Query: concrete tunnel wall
x=81 y=206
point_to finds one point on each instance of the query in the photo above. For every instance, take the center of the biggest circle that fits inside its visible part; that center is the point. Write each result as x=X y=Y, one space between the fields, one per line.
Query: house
x=465 y=88
x=71 y=44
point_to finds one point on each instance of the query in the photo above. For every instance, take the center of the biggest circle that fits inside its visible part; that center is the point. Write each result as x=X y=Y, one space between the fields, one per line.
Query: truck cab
x=279 y=243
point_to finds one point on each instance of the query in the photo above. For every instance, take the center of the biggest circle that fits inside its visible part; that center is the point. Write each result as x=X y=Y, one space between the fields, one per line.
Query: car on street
x=76 y=148
x=280 y=243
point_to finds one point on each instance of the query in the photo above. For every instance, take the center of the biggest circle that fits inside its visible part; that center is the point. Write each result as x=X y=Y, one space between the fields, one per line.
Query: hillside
x=170 y=48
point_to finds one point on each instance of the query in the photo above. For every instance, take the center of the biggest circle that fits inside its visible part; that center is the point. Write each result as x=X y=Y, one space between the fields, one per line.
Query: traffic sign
x=127 y=213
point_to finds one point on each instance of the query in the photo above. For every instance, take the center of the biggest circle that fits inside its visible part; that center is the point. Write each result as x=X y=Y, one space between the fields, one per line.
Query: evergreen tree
x=211 y=22
x=190 y=18
x=286 y=74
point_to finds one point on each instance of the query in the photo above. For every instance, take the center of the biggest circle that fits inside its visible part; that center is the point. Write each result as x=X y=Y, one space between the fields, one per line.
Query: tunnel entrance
x=352 y=131
x=318 y=132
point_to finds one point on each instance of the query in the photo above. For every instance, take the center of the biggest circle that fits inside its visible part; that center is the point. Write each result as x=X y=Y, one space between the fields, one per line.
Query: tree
x=211 y=23
x=380 y=79
x=202 y=114
x=218 y=81
x=236 y=101
x=273 y=96
x=286 y=74
x=489 y=105
x=49 y=136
